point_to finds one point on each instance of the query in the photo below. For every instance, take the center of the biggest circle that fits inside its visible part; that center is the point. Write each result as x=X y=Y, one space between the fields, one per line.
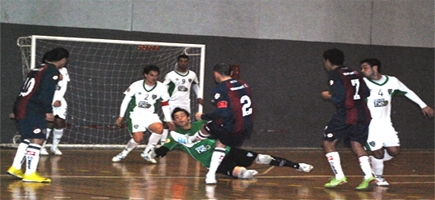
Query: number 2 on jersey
x=246 y=105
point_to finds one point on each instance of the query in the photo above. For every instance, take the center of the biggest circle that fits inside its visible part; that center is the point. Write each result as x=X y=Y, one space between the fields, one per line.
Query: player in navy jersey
x=348 y=92
x=32 y=110
x=230 y=123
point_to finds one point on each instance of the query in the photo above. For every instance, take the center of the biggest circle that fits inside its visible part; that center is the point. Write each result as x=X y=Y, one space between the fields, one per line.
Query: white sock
x=130 y=146
x=32 y=158
x=378 y=166
x=216 y=159
x=20 y=156
x=334 y=162
x=387 y=156
x=364 y=163
x=152 y=141
x=47 y=135
x=198 y=136
x=164 y=135
x=57 y=135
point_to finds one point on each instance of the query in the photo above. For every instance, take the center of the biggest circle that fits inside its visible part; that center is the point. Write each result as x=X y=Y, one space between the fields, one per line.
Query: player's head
x=58 y=56
x=221 y=70
x=151 y=74
x=45 y=57
x=182 y=62
x=333 y=57
x=370 y=67
x=180 y=117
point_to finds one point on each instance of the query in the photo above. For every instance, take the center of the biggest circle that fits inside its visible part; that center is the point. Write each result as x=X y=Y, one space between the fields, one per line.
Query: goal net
x=100 y=71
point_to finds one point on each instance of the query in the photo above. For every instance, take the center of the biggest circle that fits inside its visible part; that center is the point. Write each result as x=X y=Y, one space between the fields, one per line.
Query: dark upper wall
x=392 y=23
x=286 y=79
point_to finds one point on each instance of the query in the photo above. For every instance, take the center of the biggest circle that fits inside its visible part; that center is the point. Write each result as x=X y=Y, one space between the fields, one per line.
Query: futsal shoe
x=380 y=181
x=365 y=183
x=149 y=156
x=35 y=177
x=17 y=173
x=335 y=182
x=182 y=139
x=56 y=152
x=210 y=179
x=118 y=158
x=303 y=167
x=248 y=174
x=43 y=152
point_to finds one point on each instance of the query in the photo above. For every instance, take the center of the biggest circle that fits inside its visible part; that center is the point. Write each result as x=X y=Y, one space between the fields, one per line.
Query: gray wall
x=396 y=23
x=280 y=54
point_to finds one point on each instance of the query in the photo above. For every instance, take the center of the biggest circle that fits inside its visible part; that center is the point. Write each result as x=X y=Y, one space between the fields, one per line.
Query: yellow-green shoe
x=35 y=177
x=336 y=182
x=365 y=183
x=15 y=172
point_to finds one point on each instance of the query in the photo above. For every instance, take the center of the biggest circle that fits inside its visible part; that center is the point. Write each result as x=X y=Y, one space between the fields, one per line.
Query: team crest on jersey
x=372 y=143
x=390 y=91
x=331 y=82
x=217 y=96
x=190 y=80
x=136 y=126
x=139 y=93
x=55 y=77
x=154 y=96
x=37 y=131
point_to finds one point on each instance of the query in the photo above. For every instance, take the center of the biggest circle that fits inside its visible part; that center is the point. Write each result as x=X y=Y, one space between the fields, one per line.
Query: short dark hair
x=178 y=109
x=182 y=56
x=372 y=62
x=56 y=54
x=335 y=56
x=45 y=57
x=151 y=67
x=222 y=69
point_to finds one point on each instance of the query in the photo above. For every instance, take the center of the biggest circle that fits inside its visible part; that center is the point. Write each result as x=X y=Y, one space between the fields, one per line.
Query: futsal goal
x=100 y=71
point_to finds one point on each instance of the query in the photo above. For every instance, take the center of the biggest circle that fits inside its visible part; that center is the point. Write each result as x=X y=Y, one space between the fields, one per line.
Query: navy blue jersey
x=233 y=107
x=37 y=92
x=349 y=93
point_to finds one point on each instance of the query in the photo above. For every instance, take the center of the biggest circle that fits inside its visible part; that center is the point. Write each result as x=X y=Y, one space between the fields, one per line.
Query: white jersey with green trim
x=381 y=93
x=143 y=101
x=179 y=86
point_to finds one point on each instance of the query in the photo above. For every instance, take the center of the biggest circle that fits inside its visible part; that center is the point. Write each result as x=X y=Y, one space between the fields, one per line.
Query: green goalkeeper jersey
x=200 y=151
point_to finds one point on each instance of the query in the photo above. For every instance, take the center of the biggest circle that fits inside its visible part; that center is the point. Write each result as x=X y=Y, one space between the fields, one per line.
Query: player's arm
x=124 y=105
x=222 y=107
x=48 y=83
x=59 y=94
x=426 y=110
x=197 y=90
x=166 y=110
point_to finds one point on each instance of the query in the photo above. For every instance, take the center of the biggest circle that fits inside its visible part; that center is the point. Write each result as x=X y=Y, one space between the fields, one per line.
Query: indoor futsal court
x=90 y=174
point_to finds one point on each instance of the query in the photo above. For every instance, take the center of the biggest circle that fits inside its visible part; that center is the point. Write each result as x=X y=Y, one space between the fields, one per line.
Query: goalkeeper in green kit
x=236 y=160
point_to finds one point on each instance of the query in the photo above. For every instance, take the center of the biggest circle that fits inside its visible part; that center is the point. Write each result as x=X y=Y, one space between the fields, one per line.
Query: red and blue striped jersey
x=233 y=107
x=349 y=93
x=37 y=92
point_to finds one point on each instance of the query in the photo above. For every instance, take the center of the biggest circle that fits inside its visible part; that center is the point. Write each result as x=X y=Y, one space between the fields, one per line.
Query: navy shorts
x=224 y=135
x=346 y=132
x=33 y=126
x=236 y=157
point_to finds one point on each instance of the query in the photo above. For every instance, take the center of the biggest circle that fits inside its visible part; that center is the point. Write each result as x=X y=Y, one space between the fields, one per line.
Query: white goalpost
x=100 y=71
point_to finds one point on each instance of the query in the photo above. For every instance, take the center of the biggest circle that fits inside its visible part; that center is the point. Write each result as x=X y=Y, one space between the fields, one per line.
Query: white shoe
x=118 y=158
x=56 y=152
x=303 y=167
x=43 y=152
x=210 y=180
x=380 y=181
x=182 y=139
x=249 y=174
x=149 y=156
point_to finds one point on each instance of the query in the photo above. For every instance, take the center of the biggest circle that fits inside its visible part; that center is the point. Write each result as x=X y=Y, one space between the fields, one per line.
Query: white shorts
x=61 y=110
x=382 y=135
x=139 y=122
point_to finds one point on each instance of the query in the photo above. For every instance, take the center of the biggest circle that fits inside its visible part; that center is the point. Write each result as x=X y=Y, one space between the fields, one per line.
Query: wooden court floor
x=90 y=174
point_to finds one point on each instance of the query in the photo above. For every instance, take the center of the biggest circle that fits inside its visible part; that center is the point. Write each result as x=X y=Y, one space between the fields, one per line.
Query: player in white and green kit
x=383 y=140
x=141 y=100
x=235 y=161
x=180 y=82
